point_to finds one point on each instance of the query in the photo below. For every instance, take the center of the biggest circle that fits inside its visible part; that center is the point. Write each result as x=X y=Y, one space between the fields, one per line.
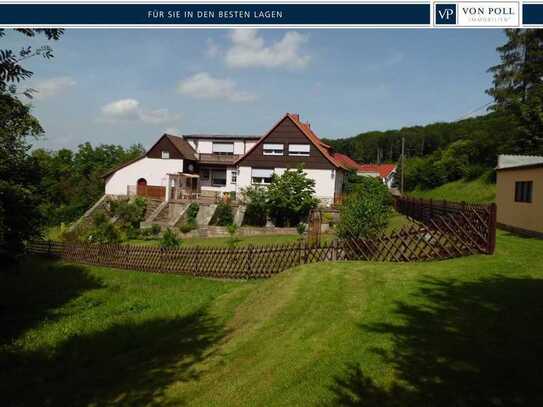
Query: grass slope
x=458 y=332
x=476 y=191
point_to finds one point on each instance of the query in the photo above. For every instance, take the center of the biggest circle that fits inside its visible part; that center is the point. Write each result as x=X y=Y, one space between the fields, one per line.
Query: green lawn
x=463 y=332
x=476 y=191
x=223 y=241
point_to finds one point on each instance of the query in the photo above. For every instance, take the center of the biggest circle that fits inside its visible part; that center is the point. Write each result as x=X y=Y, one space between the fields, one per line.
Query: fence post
x=492 y=229
x=300 y=252
x=196 y=259
x=248 y=266
x=49 y=248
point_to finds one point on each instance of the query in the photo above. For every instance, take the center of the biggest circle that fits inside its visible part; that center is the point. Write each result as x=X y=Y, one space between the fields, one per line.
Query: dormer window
x=298 y=150
x=272 y=149
x=165 y=155
x=223 y=148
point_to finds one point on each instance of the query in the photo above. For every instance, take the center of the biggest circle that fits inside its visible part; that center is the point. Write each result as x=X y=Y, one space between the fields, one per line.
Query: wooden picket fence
x=441 y=230
x=236 y=263
x=467 y=223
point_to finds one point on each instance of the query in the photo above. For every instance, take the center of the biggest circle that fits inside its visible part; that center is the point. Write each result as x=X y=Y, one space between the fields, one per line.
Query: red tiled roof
x=347 y=161
x=383 y=170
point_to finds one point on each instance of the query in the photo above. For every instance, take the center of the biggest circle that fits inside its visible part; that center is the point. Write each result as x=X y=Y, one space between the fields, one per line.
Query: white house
x=196 y=166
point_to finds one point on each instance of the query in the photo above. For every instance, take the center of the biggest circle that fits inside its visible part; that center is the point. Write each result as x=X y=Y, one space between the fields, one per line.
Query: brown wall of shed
x=286 y=133
x=164 y=145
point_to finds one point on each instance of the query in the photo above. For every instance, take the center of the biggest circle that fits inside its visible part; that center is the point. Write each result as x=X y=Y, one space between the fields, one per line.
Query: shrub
x=474 y=171
x=300 y=228
x=187 y=227
x=129 y=213
x=366 y=211
x=290 y=197
x=103 y=231
x=169 y=239
x=232 y=230
x=223 y=215
x=256 y=212
x=155 y=229
x=192 y=212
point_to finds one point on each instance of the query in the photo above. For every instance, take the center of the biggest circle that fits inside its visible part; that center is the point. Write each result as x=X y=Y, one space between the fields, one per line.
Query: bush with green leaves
x=192 y=212
x=290 y=197
x=223 y=215
x=187 y=227
x=103 y=231
x=366 y=211
x=256 y=200
x=129 y=213
x=169 y=239
x=232 y=229
x=301 y=228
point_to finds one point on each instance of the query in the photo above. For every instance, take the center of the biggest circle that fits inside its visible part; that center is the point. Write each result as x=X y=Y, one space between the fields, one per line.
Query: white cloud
x=53 y=86
x=203 y=86
x=248 y=50
x=121 y=108
x=172 y=130
x=129 y=109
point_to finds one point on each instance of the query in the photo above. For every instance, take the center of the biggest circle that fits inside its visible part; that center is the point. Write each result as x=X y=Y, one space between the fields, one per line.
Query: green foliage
x=20 y=195
x=366 y=211
x=187 y=227
x=290 y=197
x=103 y=231
x=223 y=215
x=301 y=228
x=232 y=239
x=169 y=239
x=192 y=212
x=71 y=182
x=518 y=88
x=256 y=200
x=129 y=213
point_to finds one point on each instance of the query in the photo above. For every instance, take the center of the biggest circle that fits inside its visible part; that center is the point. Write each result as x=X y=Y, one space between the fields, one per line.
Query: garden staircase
x=205 y=214
x=239 y=214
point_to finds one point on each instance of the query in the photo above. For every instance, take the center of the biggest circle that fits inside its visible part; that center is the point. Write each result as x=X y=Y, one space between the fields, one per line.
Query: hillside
x=380 y=334
x=476 y=191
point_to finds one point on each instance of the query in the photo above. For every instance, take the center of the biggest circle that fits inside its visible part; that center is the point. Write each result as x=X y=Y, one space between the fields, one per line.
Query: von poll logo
x=445 y=14
x=478 y=14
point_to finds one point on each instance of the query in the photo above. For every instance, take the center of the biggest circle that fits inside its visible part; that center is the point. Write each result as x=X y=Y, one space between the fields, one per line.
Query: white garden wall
x=154 y=171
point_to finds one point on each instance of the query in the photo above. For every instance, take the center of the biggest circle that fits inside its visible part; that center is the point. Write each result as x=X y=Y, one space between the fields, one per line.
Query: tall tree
x=20 y=218
x=518 y=87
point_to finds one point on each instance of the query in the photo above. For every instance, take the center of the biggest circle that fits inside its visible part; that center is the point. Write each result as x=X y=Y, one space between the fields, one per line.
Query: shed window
x=273 y=149
x=523 y=191
x=223 y=148
x=234 y=179
x=261 y=176
x=298 y=149
x=165 y=155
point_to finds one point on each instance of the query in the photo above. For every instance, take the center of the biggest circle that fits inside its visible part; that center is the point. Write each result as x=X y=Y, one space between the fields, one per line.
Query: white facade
x=328 y=183
x=153 y=170
x=205 y=146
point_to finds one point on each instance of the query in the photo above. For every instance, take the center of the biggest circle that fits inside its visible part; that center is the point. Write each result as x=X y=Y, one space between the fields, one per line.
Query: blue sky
x=129 y=86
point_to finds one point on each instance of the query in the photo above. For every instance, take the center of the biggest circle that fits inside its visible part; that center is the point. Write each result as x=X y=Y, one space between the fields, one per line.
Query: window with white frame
x=218 y=178
x=298 y=149
x=261 y=176
x=272 y=149
x=234 y=178
x=165 y=155
x=223 y=148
